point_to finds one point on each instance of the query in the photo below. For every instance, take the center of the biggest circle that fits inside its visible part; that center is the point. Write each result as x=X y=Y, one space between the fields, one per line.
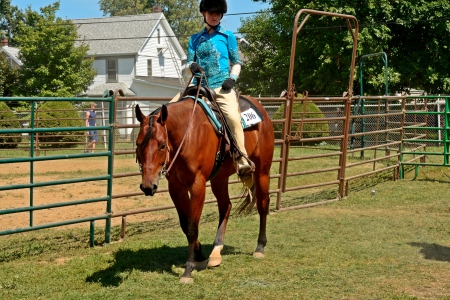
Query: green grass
x=391 y=245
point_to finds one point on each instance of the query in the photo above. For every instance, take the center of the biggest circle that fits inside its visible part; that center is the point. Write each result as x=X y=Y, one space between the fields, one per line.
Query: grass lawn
x=394 y=244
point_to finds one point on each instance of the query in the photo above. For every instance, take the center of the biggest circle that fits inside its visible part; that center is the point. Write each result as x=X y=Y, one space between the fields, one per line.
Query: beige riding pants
x=229 y=105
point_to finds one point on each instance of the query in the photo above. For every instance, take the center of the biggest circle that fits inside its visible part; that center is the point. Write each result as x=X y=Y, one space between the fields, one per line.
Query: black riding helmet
x=214 y=6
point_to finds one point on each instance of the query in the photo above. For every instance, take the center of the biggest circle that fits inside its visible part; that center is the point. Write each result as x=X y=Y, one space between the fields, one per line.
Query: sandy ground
x=19 y=173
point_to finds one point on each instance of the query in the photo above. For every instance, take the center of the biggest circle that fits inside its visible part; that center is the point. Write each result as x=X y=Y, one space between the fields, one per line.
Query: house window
x=159 y=35
x=149 y=67
x=112 y=70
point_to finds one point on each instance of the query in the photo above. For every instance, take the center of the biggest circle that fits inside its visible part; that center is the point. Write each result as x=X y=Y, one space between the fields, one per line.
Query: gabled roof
x=12 y=52
x=121 y=35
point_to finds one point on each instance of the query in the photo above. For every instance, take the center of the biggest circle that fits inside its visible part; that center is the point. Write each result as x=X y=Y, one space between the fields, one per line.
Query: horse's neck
x=178 y=120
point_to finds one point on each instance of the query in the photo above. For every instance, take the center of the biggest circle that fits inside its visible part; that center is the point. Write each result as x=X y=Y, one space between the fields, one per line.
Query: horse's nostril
x=149 y=191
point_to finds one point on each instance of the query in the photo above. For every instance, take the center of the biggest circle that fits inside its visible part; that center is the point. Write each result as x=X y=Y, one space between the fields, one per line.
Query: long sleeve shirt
x=214 y=53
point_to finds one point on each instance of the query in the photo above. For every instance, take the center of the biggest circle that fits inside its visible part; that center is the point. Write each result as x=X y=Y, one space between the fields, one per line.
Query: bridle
x=165 y=170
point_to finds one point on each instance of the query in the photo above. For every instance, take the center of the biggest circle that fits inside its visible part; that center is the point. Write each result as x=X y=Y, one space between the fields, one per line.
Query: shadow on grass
x=160 y=260
x=433 y=251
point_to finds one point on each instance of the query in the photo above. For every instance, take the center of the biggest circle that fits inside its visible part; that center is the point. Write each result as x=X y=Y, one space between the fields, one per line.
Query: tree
x=56 y=114
x=10 y=121
x=52 y=65
x=10 y=17
x=8 y=76
x=183 y=15
x=414 y=35
x=262 y=60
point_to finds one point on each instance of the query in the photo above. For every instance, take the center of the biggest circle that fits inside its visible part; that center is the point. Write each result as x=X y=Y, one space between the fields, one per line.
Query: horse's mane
x=156 y=111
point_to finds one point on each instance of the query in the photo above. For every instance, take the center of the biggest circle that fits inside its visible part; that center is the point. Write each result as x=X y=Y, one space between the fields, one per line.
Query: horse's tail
x=249 y=201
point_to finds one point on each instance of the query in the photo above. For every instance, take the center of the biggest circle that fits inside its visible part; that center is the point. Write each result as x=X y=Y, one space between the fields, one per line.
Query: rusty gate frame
x=291 y=95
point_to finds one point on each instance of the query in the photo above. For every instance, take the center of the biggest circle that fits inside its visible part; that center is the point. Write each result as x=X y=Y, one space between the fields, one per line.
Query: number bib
x=249 y=118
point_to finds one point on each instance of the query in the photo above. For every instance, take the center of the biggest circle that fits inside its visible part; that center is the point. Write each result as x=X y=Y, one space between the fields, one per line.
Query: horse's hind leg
x=220 y=189
x=262 y=183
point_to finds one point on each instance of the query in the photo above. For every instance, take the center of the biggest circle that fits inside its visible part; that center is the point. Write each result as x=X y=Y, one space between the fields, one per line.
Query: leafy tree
x=10 y=17
x=52 y=65
x=8 y=120
x=183 y=15
x=8 y=76
x=55 y=114
x=414 y=34
x=309 y=130
x=262 y=63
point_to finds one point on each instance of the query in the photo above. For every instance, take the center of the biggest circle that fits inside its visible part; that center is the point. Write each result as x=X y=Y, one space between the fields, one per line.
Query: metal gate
x=31 y=159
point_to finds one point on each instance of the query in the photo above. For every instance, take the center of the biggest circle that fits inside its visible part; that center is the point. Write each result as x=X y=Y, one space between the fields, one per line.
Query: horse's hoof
x=186 y=280
x=201 y=265
x=258 y=255
x=214 y=261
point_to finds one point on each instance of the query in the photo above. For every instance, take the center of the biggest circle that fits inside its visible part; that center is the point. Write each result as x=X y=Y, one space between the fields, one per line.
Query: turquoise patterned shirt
x=214 y=53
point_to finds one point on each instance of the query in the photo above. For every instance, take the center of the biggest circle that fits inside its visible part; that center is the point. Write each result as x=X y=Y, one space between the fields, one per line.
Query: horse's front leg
x=189 y=211
x=220 y=189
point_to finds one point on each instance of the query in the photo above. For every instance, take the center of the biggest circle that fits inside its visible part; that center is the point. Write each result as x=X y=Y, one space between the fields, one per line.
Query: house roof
x=161 y=81
x=13 y=52
x=121 y=34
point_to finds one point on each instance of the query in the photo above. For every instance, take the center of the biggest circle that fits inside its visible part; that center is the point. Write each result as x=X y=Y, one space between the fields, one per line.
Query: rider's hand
x=228 y=84
x=195 y=68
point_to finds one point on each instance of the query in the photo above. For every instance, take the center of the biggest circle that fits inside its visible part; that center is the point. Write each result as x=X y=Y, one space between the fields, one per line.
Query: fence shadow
x=433 y=251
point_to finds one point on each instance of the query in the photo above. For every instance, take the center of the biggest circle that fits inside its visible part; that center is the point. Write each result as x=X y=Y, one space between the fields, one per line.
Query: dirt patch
x=18 y=174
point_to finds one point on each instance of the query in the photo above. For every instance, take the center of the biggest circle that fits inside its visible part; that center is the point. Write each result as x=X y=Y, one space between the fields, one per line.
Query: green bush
x=55 y=114
x=309 y=130
x=10 y=140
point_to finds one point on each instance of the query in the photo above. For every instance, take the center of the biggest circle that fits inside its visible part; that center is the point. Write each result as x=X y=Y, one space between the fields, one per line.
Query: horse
x=190 y=146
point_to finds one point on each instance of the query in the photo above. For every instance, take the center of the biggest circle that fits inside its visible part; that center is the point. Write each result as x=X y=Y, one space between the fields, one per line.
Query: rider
x=212 y=51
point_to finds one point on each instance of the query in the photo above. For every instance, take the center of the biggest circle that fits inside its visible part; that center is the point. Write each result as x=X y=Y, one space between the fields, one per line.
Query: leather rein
x=164 y=171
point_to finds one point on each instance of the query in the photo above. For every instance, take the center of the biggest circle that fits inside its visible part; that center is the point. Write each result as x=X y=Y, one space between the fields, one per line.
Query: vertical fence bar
x=344 y=144
x=111 y=146
x=33 y=107
x=91 y=234
x=446 y=131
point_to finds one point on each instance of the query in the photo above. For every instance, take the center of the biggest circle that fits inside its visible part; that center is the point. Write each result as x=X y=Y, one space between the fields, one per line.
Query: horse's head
x=151 y=148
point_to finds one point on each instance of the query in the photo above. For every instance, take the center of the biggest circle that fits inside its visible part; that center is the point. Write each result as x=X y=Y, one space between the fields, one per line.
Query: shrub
x=309 y=130
x=55 y=114
x=8 y=141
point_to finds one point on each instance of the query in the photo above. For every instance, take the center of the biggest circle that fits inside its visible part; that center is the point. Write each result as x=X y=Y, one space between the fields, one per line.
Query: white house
x=12 y=54
x=139 y=54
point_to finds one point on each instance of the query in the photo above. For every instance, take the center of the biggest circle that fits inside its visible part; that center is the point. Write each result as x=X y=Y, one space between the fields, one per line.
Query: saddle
x=209 y=105
x=250 y=114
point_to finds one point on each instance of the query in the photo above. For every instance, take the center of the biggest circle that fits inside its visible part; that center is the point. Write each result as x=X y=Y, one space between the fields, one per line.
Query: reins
x=164 y=171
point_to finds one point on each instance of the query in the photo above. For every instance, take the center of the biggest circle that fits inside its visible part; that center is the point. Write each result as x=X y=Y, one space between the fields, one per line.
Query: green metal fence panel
x=32 y=158
x=420 y=137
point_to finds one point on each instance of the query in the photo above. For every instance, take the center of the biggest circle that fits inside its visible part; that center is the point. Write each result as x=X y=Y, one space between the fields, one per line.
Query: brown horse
x=189 y=144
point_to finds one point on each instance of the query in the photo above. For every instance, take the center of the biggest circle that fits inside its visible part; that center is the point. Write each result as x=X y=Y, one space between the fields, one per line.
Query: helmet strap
x=212 y=27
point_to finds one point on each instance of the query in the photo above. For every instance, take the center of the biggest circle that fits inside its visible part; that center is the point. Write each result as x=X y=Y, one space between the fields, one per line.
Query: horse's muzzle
x=149 y=191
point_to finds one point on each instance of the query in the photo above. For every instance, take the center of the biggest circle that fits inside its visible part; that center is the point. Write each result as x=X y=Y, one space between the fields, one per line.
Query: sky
x=80 y=9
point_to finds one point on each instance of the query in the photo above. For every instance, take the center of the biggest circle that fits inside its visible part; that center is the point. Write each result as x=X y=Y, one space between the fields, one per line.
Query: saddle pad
x=209 y=113
x=250 y=115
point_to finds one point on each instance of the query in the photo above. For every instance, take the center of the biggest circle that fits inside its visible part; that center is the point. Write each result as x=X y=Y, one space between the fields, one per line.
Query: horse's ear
x=164 y=113
x=139 y=115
